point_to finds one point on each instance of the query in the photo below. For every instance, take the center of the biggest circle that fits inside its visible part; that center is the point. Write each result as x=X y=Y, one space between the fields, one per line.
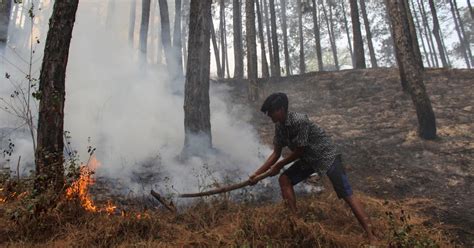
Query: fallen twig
x=170 y=206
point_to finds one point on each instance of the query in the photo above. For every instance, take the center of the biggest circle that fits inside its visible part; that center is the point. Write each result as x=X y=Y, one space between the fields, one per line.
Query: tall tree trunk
x=300 y=34
x=434 y=56
x=411 y=27
x=265 y=73
x=5 y=11
x=465 y=41
x=222 y=34
x=346 y=26
x=220 y=73
x=251 y=49
x=470 y=9
x=413 y=72
x=110 y=13
x=131 y=23
x=177 y=42
x=269 y=35
x=49 y=152
x=238 y=47
x=437 y=34
x=359 y=55
x=331 y=35
x=317 y=36
x=284 y=28
x=373 y=59
x=276 y=50
x=166 y=34
x=144 y=27
x=197 y=124
x=418 y=26
x=226 y=54
x=185 y=31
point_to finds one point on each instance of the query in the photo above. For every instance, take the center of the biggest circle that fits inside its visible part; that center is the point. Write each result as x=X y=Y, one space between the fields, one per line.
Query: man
x=311 y=151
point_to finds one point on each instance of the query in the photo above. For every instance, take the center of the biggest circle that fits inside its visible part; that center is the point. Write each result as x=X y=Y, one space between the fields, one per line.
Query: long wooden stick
x=226 y=188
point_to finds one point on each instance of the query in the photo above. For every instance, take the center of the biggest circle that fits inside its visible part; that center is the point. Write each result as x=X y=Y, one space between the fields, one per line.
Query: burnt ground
x=374 y=125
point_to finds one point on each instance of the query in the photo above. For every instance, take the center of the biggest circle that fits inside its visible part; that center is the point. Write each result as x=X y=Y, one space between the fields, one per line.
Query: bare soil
x=374 y=125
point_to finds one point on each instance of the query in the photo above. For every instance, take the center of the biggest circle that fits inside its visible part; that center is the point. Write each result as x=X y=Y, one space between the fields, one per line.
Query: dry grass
x=322 y=221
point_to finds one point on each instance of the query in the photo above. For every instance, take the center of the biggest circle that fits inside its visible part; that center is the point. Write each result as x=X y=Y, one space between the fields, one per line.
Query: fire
x=80 y=188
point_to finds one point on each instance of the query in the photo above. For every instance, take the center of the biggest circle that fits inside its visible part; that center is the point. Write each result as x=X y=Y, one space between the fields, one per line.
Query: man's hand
x=274 y=170
x=252 y=179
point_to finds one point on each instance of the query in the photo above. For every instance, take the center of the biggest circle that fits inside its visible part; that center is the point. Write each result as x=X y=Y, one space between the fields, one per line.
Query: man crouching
x=311 y=151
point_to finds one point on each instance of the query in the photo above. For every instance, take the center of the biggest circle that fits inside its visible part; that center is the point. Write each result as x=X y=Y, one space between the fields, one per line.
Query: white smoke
x=132 y=114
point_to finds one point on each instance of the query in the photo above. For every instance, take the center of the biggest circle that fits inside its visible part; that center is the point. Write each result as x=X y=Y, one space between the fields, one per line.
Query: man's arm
x=271 y=160
x=294 y=155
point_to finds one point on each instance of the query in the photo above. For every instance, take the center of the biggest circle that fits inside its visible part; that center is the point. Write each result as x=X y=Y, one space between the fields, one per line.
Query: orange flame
x=80 y=188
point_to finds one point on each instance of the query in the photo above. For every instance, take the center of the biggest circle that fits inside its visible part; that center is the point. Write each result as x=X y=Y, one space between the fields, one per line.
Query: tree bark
x=331 y=36
x=222 y=34
x=265 y=73
x=251 y=50
x=284 y=28
x=177 y=42
x=238 y=46
x=359 y=55
x=300 y=36
x=431 y=47
x=276 y=50
x=49 y=152
x=463 y=32
x=470 y=9
x=437 y=34
x=317 y=36
x=346 y=26
x=268 y=32
x=197 y=114
x=411 y=26
x=144 y=26
x=166 y=35
x=413 y=72
x=373 y=59
x=220 y=73
x=5 y=12
x=418 y=26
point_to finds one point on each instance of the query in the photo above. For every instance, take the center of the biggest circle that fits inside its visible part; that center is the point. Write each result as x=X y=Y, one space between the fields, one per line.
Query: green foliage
x=403 y=234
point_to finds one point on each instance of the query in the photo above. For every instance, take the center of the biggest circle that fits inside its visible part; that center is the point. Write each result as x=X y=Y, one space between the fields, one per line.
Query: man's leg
x=287 y=192
x=360 y=214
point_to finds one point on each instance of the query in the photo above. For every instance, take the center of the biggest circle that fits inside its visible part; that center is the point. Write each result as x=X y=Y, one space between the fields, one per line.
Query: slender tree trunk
x=220 y=73
x=5 y=12
x=144 y=27
x=131 y=27
x=222 y=34
x=300 y=34
x=284 y=28
x=276 y=51
x=411 y=27
x=226 y=54
x=331 y=36
x=268 y=32
x=197 y=125
x=437 y=34
x=49 y=152
x=413 y=72
x=346 y=26
x=418 y=26
x=238 y=47
x=166 y=34
x=470 y=10
x=434 y=56
x=373 y=59
x=359 y=55
x=251 y=49
x=317 y=36
x=110 y=12
x=185 y=30
x=265 y=73
x=177 y=45
x=465 y=41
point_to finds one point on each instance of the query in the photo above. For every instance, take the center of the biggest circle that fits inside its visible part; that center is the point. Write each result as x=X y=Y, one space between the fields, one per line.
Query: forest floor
x=374 y=125
x=417 y=192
